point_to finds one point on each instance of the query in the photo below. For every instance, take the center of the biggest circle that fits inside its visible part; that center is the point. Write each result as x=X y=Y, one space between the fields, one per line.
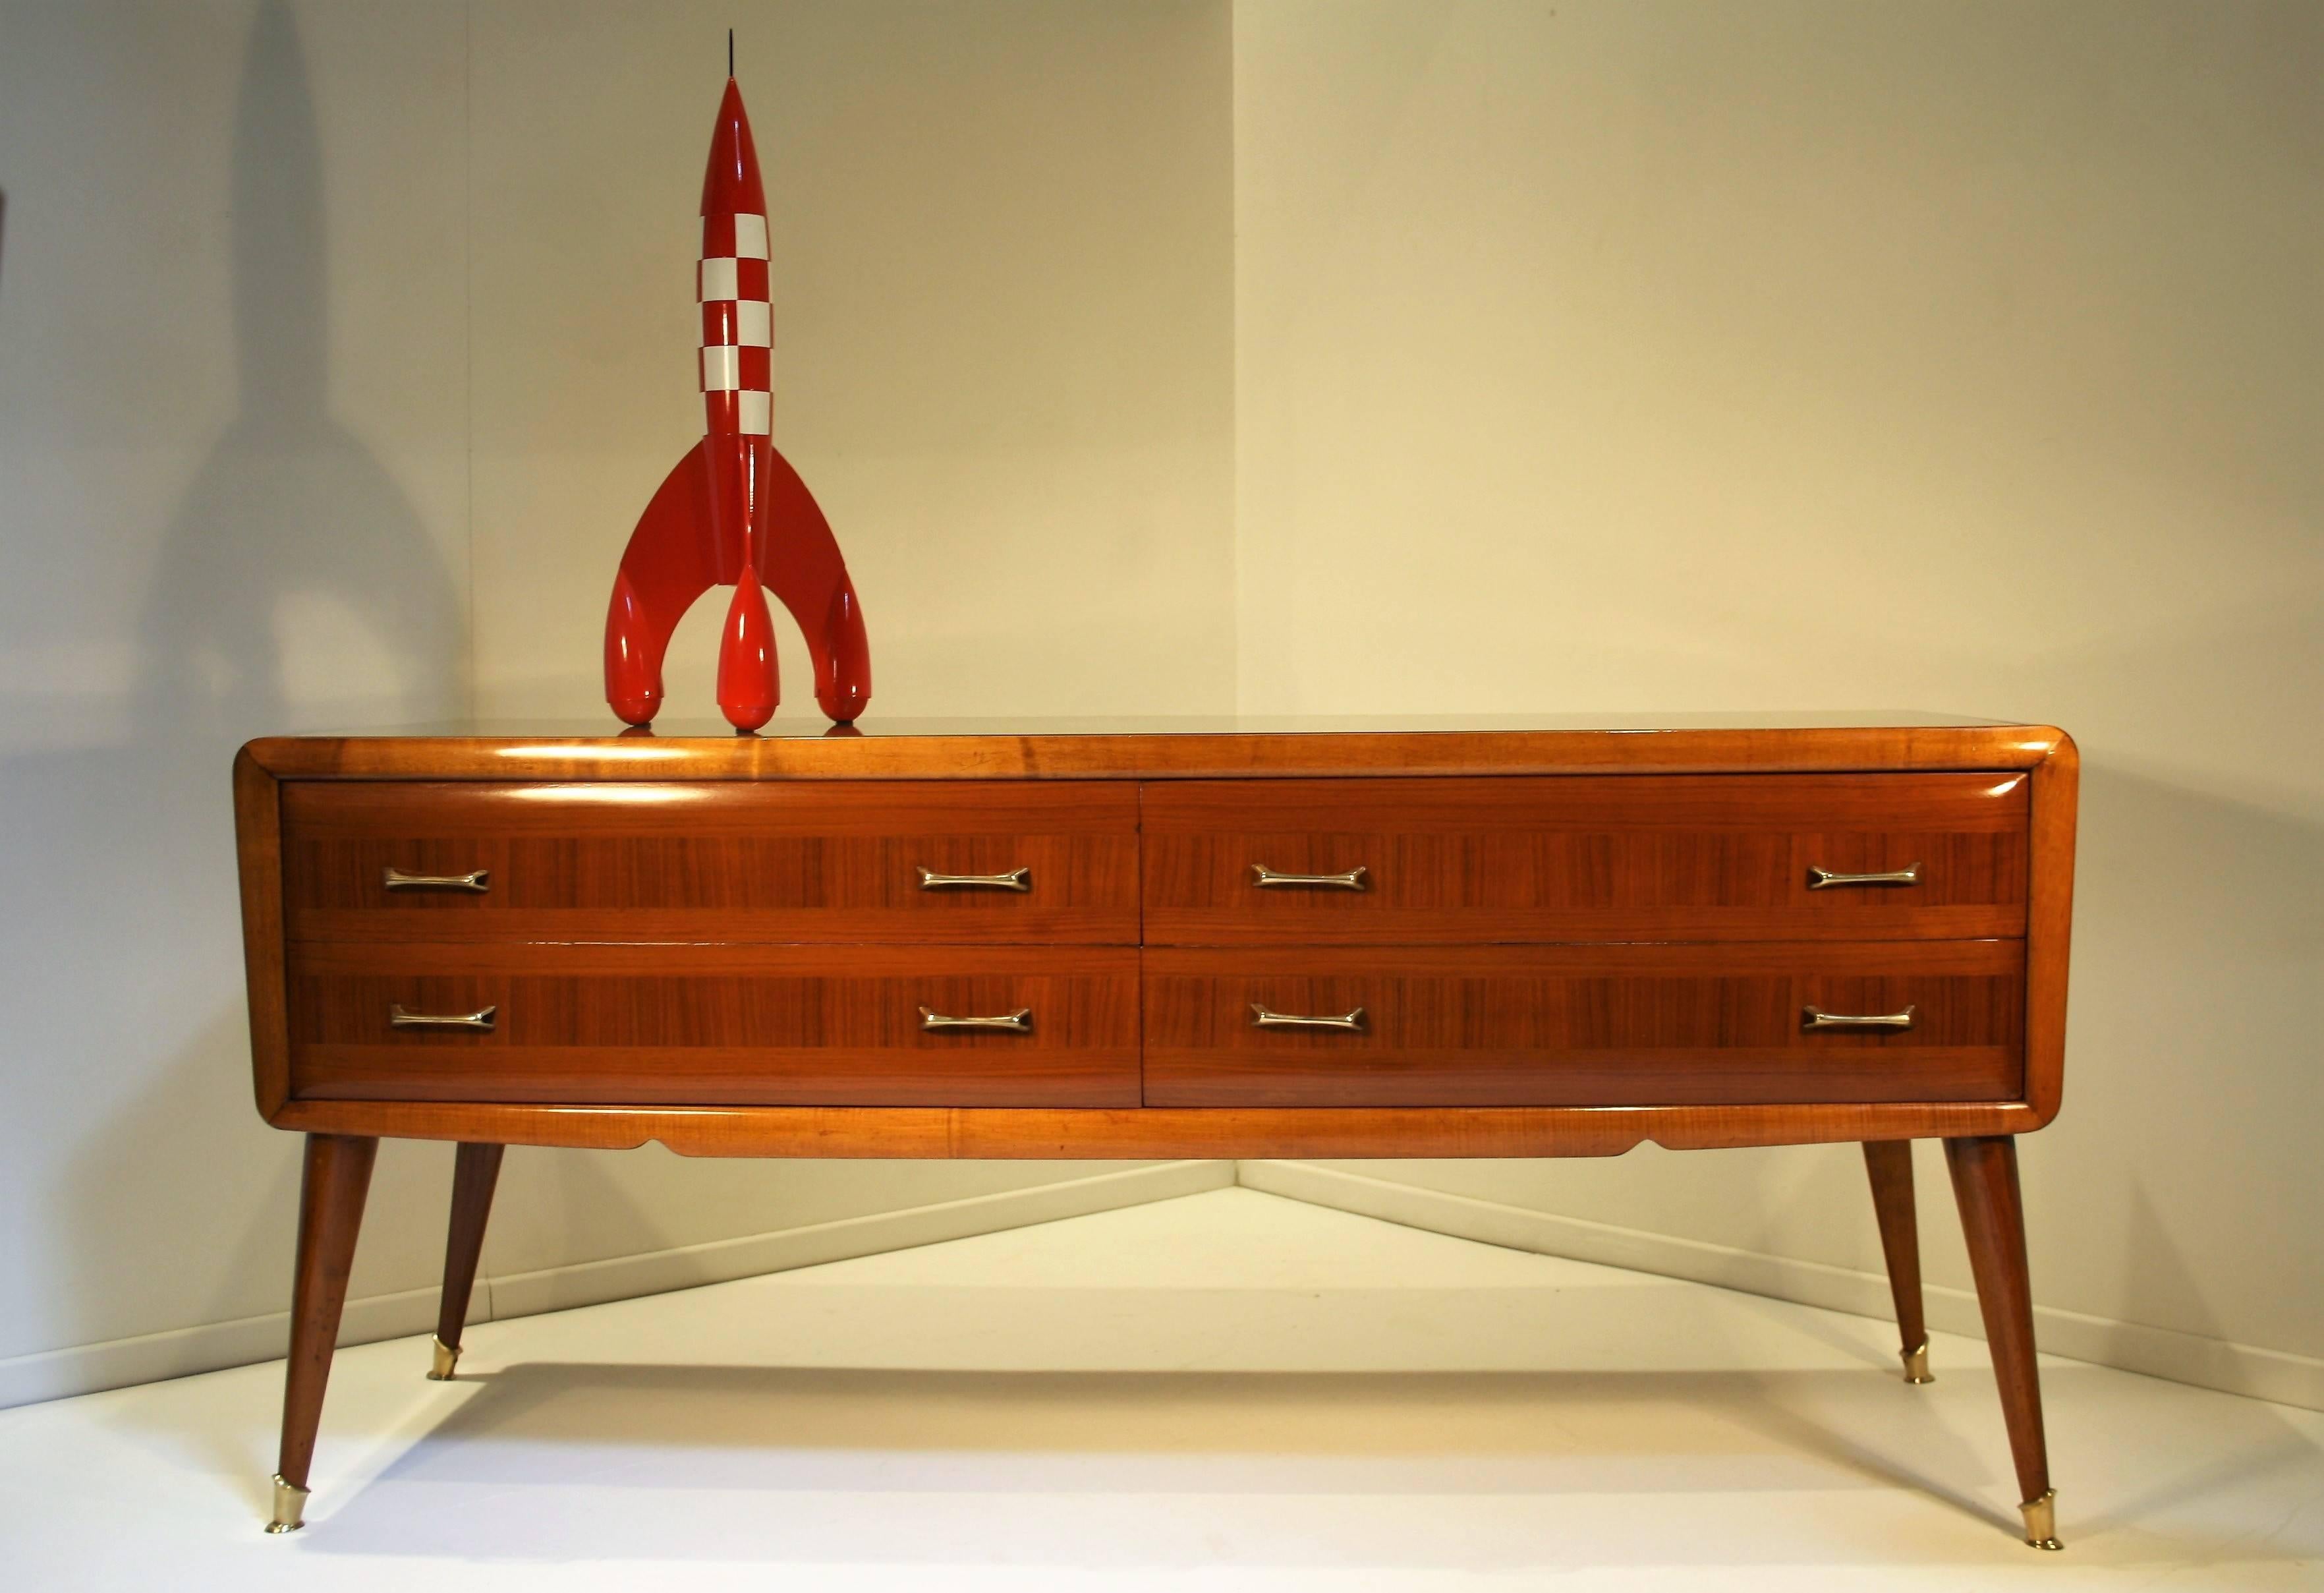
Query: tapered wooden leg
x=1890 y=1163
x=1993 y=1217
x=474 y=1173
x=330 y=1213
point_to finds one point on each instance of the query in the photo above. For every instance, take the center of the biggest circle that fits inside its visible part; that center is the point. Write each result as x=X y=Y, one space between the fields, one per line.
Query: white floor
x=1228 y=1390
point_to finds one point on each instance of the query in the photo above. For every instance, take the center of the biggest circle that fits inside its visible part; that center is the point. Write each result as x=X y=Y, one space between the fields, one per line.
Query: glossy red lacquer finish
x=733 y=511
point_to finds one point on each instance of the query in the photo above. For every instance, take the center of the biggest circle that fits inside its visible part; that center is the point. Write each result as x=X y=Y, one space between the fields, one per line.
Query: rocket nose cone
x=731 y=186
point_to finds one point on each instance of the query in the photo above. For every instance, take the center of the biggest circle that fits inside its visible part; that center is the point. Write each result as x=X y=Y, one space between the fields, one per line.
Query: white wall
x=340 y=346
x=1623 y=355
x=1003 y=301
x=1333 y=357
x=233 y=439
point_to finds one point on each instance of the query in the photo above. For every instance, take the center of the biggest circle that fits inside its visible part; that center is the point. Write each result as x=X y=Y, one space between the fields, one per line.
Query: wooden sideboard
x=1179 y=939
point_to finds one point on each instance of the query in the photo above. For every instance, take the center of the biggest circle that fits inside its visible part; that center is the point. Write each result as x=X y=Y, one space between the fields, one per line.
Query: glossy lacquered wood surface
x=1584 y=1026
x=258 y=848
x=1043 y=1134
x=1993 y=1220
x=1571 y=941
x=331 y=1191
x=1585 y=858
x=1033 y=752
x=778 y=1025
x=2049 y=925
x=476 y=1173
x=269 y=769
x=825 y=861
x=1889 y=1164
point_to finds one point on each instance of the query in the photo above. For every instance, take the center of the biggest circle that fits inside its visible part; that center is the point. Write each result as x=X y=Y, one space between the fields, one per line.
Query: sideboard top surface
x=1179 y=747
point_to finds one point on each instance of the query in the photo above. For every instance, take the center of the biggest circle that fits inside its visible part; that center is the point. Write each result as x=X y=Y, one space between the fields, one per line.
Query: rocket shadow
x=292 y=507
x=295 y=584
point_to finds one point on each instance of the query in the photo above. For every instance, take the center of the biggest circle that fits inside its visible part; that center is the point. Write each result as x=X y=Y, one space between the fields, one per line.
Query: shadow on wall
x=295 y=586
x=294 y=547
x=2224 y=898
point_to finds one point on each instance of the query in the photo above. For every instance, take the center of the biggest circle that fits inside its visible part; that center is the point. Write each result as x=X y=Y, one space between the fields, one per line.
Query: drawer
x=799 y=861
x=685 y=1024
x=1585 y=1026
x=1585 y=857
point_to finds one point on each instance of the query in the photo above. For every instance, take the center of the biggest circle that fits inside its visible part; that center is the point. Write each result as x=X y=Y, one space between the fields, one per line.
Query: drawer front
x=1618 y=1025
x=702 y=1025
x=801 y=861
x=1729 y=857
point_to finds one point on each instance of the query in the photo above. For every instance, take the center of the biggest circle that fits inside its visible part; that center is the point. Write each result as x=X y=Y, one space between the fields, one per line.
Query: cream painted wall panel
x=1003 y=325
x=233 y=433
x=1569 y=342
x=1003 y=284
x=1686 y=356
x=237 y=291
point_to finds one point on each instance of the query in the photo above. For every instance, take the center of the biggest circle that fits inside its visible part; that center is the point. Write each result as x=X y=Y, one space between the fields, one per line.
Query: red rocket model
x=733 y=512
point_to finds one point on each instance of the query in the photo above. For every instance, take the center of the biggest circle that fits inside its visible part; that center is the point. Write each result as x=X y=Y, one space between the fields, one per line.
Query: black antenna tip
x=730 y=53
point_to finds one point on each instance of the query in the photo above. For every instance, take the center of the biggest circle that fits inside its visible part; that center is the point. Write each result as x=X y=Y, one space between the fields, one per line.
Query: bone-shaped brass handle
x=1263 y=1016
x=1020 y=1022
x=1824 y=879
x=1016 y=879
x=1353 y=880
x=481 y=1019
x=1815 y=1017
x=479 y=881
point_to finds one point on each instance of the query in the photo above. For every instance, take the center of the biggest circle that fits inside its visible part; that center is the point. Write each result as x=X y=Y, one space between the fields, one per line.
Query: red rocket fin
x=804 y=567
x=670 y=562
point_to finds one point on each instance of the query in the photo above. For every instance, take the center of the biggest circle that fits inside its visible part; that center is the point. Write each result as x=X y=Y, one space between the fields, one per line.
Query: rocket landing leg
x=676 y=554
x=807 y=574
x=668 y=563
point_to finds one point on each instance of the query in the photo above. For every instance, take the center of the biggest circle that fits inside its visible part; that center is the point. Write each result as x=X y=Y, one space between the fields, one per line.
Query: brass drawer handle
x=1020 y=1022
x=1815 y=1017
x=482 y=1019
x=480 y=881
x=1824 y=879
x=1263 y=1016
x=1016 y=879
x=1263 y=877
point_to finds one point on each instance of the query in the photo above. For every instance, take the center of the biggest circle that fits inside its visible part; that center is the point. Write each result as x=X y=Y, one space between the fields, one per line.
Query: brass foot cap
x=447 y=1356
x=2042 y=1521
x=290 y=1507
x=1917 y=1364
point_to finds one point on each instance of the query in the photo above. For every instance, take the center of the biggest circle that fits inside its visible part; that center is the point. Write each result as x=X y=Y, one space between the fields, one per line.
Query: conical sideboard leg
x=330 y=1214
x=1993 y=1219
x=1890 y=1164
x=474 y=1173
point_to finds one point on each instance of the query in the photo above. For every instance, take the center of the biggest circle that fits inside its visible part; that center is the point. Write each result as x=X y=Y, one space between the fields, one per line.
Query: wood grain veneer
x=1589 y=858
x=1574 y=940
x=784 y=1025
x=1888 y=1164
x=1737 y=747
x=269 y=769
x=830 y=861
x=475 y=1173
x=335 y=1178
x=1040 y=1133
x=1585 y=1026
x=1993 y=1220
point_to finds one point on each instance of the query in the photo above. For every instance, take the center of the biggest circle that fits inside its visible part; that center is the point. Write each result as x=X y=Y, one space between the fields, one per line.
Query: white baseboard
x=524 y=1295
x=149 y=1357
x=2157 y=1352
